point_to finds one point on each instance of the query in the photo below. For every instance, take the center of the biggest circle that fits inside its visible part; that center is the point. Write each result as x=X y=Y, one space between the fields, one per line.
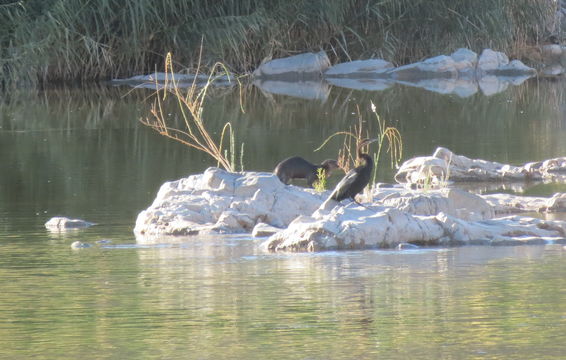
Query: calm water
x=84 y=154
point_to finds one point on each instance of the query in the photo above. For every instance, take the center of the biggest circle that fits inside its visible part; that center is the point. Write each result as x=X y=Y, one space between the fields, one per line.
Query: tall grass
x=347 y=155
x=61 y=40
x=194 y=132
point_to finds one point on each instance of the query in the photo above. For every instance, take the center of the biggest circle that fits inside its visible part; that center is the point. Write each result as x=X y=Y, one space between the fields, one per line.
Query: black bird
x=356 y=179
x=298 y=168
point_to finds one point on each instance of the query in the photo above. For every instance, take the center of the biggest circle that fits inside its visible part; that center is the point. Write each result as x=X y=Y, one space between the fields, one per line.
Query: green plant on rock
x=385 y=134
x=320 y=183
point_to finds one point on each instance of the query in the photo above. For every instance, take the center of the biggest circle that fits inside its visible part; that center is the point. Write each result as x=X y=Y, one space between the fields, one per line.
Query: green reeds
x=63 y=40
x=394 y=143
x=389 y=134
x=195 y=133
x=320 y=183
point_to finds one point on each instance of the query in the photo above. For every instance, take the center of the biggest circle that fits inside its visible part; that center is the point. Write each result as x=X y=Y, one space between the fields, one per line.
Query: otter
x=298 y=168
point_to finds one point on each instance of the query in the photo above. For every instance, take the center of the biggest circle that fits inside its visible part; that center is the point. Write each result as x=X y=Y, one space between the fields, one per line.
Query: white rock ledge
x=445 y=165
x=253 y=202
x=356 y=227
x=221 y=202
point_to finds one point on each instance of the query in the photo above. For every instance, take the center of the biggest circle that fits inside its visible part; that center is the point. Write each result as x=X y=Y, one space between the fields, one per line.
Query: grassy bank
x=68 y=40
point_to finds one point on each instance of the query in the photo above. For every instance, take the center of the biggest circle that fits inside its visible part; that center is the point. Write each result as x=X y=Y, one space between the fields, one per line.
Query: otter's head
x=329 y=166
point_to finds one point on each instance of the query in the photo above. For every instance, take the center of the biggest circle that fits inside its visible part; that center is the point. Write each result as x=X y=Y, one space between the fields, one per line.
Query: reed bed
x=44 y=41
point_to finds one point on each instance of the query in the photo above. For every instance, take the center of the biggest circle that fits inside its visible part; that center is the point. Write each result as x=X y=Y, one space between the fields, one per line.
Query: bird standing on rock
x=298 y=168
x=356 y=179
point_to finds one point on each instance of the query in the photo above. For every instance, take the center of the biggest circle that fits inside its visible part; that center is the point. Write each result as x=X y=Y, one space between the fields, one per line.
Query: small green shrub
x=320 y=183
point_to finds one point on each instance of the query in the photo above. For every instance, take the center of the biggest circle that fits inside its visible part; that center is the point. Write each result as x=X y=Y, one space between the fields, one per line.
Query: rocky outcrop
x=514 y=204
x=463 y=63
x=298 y=219
x=221 y=202
x=453 y=202
x=444 y=166
x=463 y=73
x=357 y=227
x=60 y=223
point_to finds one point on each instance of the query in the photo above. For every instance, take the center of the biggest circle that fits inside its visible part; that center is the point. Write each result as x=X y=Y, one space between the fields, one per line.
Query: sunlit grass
x=390 y=135
x=195 y=133
x=64 y=40
x=320 y=183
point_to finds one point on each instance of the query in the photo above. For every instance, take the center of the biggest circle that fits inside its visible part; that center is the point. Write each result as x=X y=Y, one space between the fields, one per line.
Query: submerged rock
x=80 y=245
x=63 y=223
x=160 y=80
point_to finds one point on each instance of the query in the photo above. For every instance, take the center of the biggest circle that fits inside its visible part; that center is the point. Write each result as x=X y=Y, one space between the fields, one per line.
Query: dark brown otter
x=298 y=168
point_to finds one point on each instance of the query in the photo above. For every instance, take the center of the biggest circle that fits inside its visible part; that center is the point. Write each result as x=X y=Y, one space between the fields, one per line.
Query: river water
x=83 y=153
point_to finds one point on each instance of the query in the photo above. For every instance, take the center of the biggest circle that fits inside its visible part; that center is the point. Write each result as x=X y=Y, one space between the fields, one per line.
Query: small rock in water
x=407 y=246
x=63 y=223
x=79 y=245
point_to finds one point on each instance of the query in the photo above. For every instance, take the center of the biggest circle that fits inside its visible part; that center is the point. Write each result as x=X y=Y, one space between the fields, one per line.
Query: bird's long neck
x=367 y=158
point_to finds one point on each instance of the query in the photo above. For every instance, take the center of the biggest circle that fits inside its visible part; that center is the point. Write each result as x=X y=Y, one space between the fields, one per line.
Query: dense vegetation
x=61 y=40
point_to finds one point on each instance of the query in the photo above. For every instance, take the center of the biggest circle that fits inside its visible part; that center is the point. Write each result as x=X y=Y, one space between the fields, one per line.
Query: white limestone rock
x=60 y=223
x=263 y=229
x=497 y=63
x=556 y=203
x=552 y=53
x=513 y=204
x=444 y=165
x=465 y=60
x=504 y=204
x=490 y=60
x=359 y=69
x=302 y=65
x=76 y=245
x=357 y=227
x=221 y=202
x=553 y=70
x=454 y=202
x=439 y=66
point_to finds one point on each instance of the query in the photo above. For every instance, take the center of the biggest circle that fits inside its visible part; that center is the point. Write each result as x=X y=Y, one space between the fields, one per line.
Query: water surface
x=83 y=153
